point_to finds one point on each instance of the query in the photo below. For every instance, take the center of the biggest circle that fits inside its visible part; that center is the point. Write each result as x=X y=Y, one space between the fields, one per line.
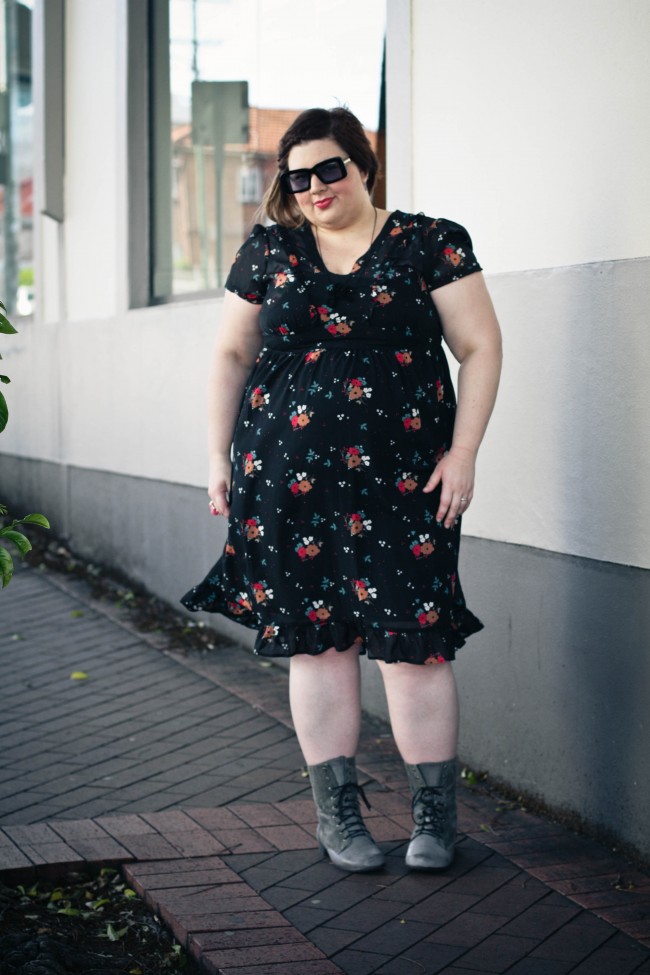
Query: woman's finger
x=219 y=503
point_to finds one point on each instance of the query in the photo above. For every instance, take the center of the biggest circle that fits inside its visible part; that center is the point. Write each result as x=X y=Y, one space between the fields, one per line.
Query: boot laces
x=429 y=811
x=348 y=810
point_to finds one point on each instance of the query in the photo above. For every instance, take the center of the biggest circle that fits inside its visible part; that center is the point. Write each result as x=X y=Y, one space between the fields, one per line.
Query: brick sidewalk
x=185 y=770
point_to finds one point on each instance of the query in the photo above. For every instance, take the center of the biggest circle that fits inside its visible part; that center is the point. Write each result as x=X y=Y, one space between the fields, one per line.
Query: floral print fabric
x=349 y=407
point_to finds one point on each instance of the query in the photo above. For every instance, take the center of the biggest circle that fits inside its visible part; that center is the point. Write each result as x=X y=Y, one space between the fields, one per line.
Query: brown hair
x=317 y=123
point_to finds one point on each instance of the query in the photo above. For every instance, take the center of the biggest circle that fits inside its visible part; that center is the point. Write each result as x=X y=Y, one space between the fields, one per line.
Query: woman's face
x=329 y=204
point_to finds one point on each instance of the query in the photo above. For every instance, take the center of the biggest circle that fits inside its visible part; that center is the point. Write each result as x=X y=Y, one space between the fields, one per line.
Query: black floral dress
x=331 y=540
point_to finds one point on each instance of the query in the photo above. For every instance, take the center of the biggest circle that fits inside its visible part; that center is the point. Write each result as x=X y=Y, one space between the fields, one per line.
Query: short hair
x=318 y=123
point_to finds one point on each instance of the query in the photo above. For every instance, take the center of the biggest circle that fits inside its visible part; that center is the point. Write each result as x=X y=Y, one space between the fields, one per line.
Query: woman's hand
x=455 y=472
x=219 y=486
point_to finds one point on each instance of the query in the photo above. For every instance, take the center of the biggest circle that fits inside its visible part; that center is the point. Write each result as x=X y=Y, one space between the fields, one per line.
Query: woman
x=351 y=466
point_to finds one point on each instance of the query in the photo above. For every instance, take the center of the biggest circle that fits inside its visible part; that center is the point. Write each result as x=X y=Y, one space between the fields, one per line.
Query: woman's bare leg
x=325 y=696
x=423 y=709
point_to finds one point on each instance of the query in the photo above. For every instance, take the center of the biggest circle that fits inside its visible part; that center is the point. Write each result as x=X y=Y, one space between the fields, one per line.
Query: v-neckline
x=359 y=261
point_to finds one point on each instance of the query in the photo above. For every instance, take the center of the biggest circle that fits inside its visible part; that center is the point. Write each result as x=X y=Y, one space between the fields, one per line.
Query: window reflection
x=16 y=158
x=239 y=73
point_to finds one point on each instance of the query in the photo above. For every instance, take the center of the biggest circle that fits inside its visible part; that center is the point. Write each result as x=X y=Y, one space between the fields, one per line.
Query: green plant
x=9 y=532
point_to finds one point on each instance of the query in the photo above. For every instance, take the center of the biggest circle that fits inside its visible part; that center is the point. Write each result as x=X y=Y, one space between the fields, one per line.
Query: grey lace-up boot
x=342 y=833
x=433 y=786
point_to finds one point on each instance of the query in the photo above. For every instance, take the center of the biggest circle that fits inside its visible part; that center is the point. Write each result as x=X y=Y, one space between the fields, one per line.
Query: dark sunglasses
x=328 y=171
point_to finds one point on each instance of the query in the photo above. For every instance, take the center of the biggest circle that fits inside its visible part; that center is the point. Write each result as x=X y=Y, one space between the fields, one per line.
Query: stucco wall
x=528 y=124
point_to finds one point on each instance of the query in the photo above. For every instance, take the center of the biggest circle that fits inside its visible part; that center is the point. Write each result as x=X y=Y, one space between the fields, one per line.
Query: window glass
x=238 y=72
x=16 y=157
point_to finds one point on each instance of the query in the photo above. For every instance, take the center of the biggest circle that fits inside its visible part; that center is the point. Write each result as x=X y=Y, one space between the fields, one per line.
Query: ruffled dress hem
x=396 y=643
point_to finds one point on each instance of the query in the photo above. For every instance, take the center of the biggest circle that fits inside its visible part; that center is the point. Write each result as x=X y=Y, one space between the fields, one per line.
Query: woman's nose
x=316 y=184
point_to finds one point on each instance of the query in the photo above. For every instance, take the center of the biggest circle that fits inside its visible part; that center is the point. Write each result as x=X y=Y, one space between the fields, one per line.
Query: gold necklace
x=372 y=235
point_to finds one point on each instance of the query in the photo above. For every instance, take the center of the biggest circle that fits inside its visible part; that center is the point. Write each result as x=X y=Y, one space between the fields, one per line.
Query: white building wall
x=529 y=125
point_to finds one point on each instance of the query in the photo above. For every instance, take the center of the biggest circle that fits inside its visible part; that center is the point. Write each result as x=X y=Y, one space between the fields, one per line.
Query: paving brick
x=119 y=826
x=163 y=866
x=540 y=966
x=411 y=888
x=577 y=939
x=468 y=929
x=608 y=961
x=194 y=843
x=498 y=953
x=354 y=962
x=217 y=940
x=426 y=959
x=540 y=921
x=149 y=846
x=340 y=895
x=316 y=967
x=513 y=898
x=390 y=802
x=440 y=907
x=52 y=853
x=287 y=837
x=240 y=915
x=306 y=916
x=36 y=833
x=332 y=940
x=260 y=814
x=204 y=899
x=393 y=937
x=243 y=841
x=384 y=829
x=215 y=819
x=368 y=915
x=176 y=882
x=299 y=810
x=12 y=858
x=269 y=954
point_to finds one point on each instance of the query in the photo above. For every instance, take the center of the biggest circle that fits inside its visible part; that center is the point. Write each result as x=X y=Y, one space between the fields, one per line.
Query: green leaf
x=69 y=911
x=5 y=379
x=4 y=412
x=129 y=894
x=36 y=520
x=22 y=543
x=6 y=326
x=6 y=567
x=114 y=935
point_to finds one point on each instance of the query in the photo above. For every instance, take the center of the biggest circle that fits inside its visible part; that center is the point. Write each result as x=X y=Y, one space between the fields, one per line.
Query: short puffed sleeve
x=448 y=253
x=247 y=277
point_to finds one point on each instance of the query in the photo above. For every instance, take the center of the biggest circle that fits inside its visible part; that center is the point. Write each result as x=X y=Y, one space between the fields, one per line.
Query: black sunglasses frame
x=285 y=178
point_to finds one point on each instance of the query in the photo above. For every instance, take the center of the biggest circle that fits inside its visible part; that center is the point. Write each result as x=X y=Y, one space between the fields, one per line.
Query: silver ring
x=463 y=499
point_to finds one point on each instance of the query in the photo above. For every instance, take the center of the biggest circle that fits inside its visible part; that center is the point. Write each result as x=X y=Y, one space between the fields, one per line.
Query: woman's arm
x=472 y=333
x=237 y=345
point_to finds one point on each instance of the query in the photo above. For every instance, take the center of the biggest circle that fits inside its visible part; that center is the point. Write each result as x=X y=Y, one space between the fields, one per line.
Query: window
x=16 y=158
x=228 y=78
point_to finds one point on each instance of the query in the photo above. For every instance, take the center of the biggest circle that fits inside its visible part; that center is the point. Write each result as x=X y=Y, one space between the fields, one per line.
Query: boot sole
x=342 y=864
